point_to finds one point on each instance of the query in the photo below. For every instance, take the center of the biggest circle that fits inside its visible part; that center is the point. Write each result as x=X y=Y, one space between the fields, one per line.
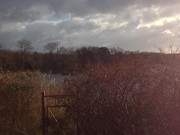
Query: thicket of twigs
x=127 y=99
x=133 y=97
x=20 y=102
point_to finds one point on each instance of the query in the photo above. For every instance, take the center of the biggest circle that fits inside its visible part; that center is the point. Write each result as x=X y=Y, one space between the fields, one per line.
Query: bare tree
x=51 y=47
x=170 y=50
x=25 y=46
x=1 y=45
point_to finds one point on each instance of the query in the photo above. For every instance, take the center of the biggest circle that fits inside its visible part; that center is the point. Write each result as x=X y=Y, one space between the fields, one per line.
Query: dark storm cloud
x=68 y=33
x=30 y=10
x=133 y=24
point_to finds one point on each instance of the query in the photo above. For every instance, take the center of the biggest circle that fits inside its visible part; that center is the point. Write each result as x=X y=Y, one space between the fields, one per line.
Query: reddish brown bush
x=127 y=99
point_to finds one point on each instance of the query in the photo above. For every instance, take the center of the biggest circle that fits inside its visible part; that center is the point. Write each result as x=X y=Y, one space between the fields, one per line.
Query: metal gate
x=57 y=102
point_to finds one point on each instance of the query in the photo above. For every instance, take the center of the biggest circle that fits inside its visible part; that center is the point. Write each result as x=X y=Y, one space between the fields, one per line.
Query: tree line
x=58 y=59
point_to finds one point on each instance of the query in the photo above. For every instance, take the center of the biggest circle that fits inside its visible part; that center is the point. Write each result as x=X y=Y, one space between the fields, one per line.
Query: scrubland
x=136 y=94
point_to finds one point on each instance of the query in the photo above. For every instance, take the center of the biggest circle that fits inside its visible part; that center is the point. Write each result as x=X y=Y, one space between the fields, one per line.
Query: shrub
x=20 y=102
x=126 y=99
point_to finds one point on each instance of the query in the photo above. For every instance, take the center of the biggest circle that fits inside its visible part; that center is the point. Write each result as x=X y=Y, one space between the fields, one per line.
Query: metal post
x=47 y=120
x=43 y=116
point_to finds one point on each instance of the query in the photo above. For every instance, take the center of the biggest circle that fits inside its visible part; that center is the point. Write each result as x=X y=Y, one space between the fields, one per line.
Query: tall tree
x=1 y=45
x=51 y=58
x=22 y=58
x=104 y=55
x=25 y=46
x=51 y=47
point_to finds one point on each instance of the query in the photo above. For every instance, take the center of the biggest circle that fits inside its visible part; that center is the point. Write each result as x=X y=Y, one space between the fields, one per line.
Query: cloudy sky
x=129 y=24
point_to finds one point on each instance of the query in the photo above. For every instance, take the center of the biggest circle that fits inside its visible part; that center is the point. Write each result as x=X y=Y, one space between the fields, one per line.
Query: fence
x=57 y=102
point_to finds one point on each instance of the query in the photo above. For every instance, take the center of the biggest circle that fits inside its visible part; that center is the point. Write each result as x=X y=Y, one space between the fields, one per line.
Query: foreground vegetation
x=131 y=94
x=133 y=99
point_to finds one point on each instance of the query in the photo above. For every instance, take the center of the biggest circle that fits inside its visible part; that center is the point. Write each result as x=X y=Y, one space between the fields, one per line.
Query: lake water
x=55 y=78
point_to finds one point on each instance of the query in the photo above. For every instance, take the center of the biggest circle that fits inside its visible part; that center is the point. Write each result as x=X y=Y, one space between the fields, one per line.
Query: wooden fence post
x=43 y=115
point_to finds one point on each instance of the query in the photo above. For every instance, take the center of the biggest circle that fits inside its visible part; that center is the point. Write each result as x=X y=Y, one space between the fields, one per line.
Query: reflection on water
x=55 y=78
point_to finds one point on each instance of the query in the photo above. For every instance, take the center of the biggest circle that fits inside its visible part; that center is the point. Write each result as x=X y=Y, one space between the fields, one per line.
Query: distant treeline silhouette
x=69 y=60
